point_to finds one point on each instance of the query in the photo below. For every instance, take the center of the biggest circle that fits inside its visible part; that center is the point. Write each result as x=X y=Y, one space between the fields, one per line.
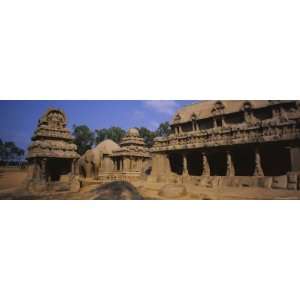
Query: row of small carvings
x=51 y=133
x=117 y=176
x=52 y=127
x=242 y=126
x=230 y=140
x=59 y=145
x=131 y=150
x=52 y=153
x=227 y=142
x=228 y=134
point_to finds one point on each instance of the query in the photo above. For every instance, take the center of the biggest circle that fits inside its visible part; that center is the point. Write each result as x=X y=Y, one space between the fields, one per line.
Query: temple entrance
x=194 y=163
x=176 y=163
x=218 y=163
x=275 y=160
x=55 y=167
x=243 y=160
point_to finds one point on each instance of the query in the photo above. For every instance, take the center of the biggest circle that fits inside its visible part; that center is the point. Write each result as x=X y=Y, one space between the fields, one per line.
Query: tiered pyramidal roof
x=132 y=145
x=52 y=138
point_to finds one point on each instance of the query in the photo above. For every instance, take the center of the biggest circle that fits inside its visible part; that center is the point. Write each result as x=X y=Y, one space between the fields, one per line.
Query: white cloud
x=153 y=125
x=162 y=106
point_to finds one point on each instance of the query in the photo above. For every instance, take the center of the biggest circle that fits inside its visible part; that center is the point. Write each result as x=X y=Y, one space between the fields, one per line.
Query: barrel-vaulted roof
x=208 y=108
x=107 y=146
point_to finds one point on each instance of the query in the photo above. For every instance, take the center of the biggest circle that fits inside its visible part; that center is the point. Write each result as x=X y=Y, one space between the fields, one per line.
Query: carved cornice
x=226 y=136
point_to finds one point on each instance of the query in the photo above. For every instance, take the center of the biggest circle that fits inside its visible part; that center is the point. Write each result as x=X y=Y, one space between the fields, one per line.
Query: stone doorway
x=244 y=160
x=275 y=160
x=176 y=163
x=194 y=163
x=55 y=167
x=218 y=163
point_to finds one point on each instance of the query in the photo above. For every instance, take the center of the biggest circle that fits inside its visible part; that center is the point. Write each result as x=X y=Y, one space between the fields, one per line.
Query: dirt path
x=11 y=178
x=11 y=181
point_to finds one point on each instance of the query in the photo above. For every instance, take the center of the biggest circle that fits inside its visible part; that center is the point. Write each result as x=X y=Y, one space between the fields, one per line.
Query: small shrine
x=133 y=156
x=52 y=154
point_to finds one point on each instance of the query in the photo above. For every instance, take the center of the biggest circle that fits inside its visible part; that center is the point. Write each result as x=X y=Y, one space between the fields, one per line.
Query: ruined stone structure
x=109 y=161
x=231 y=142
x=52 y=154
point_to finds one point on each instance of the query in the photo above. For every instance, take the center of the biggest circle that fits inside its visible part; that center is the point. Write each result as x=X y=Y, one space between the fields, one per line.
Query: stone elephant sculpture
x=90 y=162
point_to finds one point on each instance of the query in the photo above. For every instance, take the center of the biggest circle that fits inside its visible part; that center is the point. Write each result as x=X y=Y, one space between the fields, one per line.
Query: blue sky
x=18 y=119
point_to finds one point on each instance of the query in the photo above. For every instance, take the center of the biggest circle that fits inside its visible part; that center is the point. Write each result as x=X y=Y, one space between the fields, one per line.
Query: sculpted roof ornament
x=208 y=109
x=218 y=108
x=177 y=118
x=194 y=116
x=53 y=118
x=246 y=106
x=52 y=138
x=132 y=144
x=133 y=132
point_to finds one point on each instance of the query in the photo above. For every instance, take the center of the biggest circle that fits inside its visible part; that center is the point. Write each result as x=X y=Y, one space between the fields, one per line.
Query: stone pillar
x=295 y=158
x=223 y=121
x=258 y=171
x=77 y=166
x=140 y=164
x=43 y=169
x=185 y=171
x=215 y=122
x=205 y=165
x=180 y=129
x=73 y=167
x=126 y=164
x=35 y=172
x=230 y=166
x=166 y=165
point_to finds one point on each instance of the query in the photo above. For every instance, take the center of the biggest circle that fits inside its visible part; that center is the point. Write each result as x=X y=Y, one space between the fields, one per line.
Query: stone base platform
x=291 y=181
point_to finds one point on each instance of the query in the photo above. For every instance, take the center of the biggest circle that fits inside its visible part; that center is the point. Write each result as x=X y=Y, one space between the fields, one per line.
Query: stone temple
x=231 y=143
x=52 y=154
x=109 y=161
x=211 y=144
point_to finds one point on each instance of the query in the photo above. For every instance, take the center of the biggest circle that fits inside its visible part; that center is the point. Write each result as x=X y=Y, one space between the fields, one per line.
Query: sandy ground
x=12 y=187
x=11 y=178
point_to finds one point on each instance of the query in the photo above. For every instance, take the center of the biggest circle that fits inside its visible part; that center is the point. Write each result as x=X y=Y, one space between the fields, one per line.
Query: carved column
x=230 y=166
x=166 y=164
x=258 y=171
x=185 y=167
x=295 y=158
x=76 y=165
x=73 y=167
x=205 y=165
x=193 y=126
x=155 y=167
x=126 y=164
x=35 y=173
x=122 y=164
x=43 y=169
x=215 y=122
